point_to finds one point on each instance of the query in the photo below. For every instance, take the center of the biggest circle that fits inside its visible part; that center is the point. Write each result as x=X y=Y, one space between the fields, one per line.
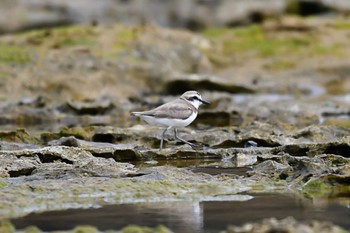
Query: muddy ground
x=280 y=107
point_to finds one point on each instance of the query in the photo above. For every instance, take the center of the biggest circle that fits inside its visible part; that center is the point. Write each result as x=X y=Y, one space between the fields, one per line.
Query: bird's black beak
x=205 y=102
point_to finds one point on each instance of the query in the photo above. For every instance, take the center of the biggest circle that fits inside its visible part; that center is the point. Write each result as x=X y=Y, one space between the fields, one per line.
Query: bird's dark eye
x=193 y=98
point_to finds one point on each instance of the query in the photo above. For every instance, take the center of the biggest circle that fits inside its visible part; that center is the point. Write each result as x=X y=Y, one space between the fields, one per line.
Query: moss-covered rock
x=19 y=135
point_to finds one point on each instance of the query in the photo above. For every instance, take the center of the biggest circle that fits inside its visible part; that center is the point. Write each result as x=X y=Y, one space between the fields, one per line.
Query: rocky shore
x=280 y=107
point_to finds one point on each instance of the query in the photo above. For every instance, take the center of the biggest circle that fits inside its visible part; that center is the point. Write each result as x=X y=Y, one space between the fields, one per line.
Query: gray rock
x=60 y=162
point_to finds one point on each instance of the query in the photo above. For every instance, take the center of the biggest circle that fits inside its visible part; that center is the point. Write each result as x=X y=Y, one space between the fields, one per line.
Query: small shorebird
x=178 y=113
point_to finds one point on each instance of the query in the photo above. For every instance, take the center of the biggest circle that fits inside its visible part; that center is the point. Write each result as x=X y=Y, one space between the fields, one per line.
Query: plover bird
x=178 y=113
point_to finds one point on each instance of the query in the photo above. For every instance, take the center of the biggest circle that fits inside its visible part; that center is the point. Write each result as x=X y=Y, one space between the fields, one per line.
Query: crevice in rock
x=50 y=158
x=21 y=172
x=293 y=150
x=342 y=149
x=177 y=87
x=242 y=143
x=118 y=155
x=103 y=138
x=106 y=155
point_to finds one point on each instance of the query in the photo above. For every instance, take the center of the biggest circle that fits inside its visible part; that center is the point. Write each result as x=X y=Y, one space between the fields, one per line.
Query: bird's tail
x=135 y=113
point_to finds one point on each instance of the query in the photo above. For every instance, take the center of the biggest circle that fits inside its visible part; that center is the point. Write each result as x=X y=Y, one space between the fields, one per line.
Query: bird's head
x=194 y=98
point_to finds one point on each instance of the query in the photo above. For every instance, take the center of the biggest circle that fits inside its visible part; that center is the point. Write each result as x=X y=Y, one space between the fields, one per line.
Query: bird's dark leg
x=161 y=141
x=183 y=140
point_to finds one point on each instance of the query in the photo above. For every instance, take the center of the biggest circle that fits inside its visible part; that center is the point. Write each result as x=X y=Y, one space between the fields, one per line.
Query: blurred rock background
x=18 y=15
x=85 y=62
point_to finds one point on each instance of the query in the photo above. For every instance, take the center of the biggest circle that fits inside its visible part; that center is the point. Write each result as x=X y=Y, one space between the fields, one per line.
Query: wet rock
x=155 y=183
x=285 y=225
x=327 y=185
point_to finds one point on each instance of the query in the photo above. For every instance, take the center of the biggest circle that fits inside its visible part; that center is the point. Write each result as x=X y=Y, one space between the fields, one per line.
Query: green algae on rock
x=19 y=135
x=14 y=54
x=154 y=184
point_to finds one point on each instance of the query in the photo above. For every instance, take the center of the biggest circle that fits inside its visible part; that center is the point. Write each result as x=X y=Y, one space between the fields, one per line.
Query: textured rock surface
x=278 y=119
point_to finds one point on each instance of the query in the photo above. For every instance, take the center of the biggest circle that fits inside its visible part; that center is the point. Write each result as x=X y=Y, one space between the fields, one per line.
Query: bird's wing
x=174 y=109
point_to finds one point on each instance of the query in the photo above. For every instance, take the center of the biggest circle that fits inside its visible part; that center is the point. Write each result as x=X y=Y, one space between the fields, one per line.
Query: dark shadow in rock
x=99 y=149
x=335 y=148
x=338 y=179
x=219 y=118
x=103 y=137
x=341 y=149
x=122 y=155
x=125 y=137
x=242 y=143
x=179 y=153
x=307 y=8
x=179 y=86
x=88 y=107
x=293 y=150
x=50 y=158
x=21 y=172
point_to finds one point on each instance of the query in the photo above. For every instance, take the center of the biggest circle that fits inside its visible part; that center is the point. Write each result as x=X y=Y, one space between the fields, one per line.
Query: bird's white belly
x=177 y=123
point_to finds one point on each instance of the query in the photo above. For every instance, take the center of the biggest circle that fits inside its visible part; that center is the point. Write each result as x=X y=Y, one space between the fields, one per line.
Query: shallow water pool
x=195 y=217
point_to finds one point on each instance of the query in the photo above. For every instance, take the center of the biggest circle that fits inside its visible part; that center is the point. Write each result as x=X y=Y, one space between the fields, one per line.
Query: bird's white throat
x=195 y=103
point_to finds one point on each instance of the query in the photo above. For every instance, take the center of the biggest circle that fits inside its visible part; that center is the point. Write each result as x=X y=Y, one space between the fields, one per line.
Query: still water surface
x=194 y=217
